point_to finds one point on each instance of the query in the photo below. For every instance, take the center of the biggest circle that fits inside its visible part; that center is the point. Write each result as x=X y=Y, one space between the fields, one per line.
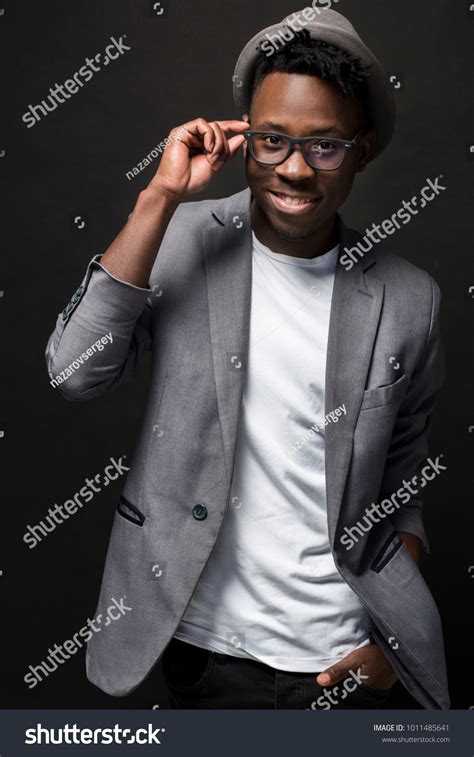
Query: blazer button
x=77 y=295
x=200 y=512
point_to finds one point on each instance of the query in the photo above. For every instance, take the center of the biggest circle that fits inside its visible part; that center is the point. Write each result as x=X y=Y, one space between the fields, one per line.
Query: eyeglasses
x=271 y=148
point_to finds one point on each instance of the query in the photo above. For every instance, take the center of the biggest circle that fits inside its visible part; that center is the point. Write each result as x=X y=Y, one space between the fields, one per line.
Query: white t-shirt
x=270 y=590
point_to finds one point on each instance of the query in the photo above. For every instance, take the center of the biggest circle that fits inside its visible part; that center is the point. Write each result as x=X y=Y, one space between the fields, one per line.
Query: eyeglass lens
x=320 y=153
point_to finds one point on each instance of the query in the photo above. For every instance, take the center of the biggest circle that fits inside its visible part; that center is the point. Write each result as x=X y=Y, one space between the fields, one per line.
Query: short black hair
x=303 y=55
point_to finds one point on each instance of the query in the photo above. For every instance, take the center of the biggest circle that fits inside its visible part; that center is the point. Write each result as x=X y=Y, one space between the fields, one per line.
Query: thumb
x=335 y=673
x=235 y=143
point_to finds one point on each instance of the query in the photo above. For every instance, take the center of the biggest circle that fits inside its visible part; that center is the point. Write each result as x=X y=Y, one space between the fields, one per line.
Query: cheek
x=337 y=185
x=256 y=175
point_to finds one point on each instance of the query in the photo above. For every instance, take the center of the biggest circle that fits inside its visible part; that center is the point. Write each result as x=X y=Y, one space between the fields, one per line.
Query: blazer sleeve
x=99 y=336
x=408 y=448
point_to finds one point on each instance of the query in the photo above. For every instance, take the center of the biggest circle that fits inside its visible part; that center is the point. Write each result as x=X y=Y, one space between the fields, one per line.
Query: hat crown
x=325 y=17
x=332 y=27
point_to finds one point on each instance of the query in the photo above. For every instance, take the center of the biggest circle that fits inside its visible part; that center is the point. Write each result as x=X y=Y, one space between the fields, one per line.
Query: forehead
x=302 y=103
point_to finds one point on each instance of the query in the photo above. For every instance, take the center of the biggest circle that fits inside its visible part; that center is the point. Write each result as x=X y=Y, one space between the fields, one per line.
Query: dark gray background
x=73 y=162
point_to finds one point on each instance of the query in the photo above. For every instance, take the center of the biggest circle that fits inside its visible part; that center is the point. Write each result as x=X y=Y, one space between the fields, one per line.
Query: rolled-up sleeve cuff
x=95 y=262
x=108 y=292
x=109 y=301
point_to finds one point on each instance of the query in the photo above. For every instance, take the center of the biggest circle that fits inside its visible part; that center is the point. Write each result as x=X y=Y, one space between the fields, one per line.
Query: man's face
x=301 y=106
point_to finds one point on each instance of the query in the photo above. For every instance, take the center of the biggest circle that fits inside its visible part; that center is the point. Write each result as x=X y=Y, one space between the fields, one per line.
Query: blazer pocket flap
x=384 y=395
x=389 y=550
x=130 y=512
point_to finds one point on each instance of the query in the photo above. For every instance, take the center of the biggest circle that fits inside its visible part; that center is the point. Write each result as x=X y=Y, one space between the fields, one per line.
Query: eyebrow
x=316 y=131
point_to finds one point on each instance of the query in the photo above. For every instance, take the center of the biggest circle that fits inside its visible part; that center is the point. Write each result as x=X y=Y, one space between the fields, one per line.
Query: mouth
x=294 y=204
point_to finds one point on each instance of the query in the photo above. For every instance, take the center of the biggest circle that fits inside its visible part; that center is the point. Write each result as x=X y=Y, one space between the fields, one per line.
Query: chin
x=291 y=234
x=292 y=231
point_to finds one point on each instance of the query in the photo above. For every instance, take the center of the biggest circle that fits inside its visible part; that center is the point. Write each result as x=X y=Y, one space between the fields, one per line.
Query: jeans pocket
x=373 y=690
x=371 y=697
x=186 y=666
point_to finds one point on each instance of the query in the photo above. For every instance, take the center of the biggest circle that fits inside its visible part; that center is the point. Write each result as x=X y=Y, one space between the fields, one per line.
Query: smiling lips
x=293 y=203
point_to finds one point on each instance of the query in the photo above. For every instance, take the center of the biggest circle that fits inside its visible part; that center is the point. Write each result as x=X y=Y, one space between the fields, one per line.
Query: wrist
x=159 y=199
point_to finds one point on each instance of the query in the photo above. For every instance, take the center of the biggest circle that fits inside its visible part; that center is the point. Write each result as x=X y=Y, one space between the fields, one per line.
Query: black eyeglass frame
x=301 y=141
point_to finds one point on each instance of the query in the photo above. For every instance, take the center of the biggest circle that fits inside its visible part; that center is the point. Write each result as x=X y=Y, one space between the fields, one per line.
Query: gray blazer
x=195 y=318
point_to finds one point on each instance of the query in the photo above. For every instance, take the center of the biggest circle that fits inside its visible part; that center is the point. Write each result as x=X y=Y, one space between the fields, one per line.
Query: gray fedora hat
x=327 y=25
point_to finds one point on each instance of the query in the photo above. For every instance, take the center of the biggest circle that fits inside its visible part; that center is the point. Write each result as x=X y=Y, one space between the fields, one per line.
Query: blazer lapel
x=355 y=312
x=228 y=261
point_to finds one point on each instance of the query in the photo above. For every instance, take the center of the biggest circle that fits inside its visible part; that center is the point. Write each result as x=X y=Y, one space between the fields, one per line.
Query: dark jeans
x=198 y=679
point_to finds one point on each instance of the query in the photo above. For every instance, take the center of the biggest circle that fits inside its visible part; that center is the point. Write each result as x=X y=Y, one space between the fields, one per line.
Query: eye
x=323 y=146
x=272 y=140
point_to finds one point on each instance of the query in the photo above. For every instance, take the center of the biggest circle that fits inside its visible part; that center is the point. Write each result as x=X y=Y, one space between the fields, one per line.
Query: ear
x=366 y=147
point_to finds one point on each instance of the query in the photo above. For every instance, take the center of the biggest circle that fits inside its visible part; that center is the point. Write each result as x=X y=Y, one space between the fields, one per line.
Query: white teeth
x=295 y=200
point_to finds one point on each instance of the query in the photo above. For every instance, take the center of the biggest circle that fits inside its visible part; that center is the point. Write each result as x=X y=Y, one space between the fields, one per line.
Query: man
x=290 y=402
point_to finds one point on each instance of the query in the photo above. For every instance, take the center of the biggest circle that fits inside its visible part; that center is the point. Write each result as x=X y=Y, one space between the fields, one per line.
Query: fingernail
x=323 y=679
x=213 y=158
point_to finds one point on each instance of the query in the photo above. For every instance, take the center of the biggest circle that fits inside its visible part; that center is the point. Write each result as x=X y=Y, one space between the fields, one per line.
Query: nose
x=295 y=168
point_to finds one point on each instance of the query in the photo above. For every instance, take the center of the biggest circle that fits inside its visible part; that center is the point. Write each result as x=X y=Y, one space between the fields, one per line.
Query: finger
x=331 y=675
x=219 y=153
x=337 y=672
x=191 y=141
x=199 y=134
x=225 y=145
x=201 y=128
x=235 y=143
x=229 y=126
